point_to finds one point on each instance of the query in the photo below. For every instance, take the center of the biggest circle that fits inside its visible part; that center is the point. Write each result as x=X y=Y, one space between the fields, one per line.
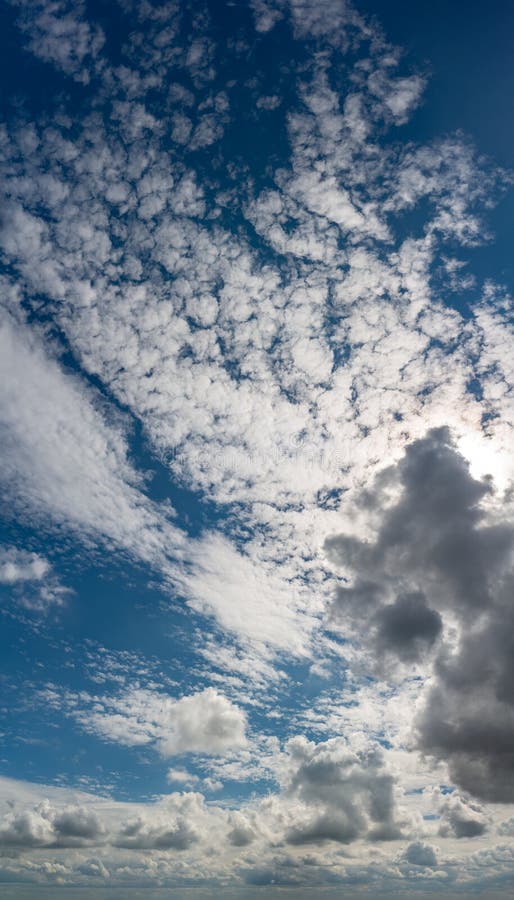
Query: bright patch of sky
x=256 y=417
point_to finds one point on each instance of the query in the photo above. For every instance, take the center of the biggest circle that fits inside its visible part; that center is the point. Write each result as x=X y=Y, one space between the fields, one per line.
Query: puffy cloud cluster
x=327 y=794
x=328 y=797
x=461 y=817
x=170 y=828
x=420 y=854
x=48 y=826
x=173 y=823
x=442 y=551
x=342 y=795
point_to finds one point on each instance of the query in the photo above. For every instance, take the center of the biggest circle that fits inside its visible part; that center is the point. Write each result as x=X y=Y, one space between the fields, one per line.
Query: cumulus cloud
x=242 y=831
x=342 y=795
x=461 y=817
x=326 y=794
x=47 y=825
x=440 y=552
x=173 y=823
x=206 y=722
x=170 y=829
x=420 y=854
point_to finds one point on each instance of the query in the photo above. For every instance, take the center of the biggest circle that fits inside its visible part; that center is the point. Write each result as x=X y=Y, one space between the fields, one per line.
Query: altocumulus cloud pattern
x=256 y=422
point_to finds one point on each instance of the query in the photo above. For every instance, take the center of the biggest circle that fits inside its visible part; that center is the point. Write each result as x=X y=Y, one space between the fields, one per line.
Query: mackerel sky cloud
x=256 y=421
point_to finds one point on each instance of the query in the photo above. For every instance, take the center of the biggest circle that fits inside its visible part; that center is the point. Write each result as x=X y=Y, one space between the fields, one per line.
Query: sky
x=256 y=419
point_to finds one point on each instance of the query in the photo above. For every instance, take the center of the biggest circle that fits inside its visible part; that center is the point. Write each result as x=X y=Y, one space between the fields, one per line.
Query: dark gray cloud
x=461 y=818
x=407 y=626
x=420 y=854
x=437 y=551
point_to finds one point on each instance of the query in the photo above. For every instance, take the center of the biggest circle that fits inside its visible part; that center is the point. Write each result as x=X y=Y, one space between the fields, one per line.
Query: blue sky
x=257 y=531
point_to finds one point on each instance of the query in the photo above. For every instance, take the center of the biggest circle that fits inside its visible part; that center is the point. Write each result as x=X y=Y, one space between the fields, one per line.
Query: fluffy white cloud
x=206 y=722
x=20 y=565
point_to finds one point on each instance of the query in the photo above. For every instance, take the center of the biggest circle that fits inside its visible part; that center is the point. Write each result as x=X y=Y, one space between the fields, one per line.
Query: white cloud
x=205 y=722
x=61 y=458
x=30 y=577
x=20 y=565
x=59 y=33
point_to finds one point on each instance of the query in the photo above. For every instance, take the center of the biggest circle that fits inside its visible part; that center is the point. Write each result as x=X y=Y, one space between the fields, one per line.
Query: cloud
x=506 y=828
x=326 y=795
x=180 y=776
x=165 y=831
x=65 y=460
x=205 y=722
x=441 y=551
x=195 y=331
x=31 y=580
x=242 y=831
x=252 y=600
x=461 y=817
x=46 y=825
x=405 y=626
x=343 y=795
x=420 y=854
x=77 y=823
x=59 y=33
x=272 y=101
x=267 y=13
x=174 y=823
x=20 y=565
x=61 y=458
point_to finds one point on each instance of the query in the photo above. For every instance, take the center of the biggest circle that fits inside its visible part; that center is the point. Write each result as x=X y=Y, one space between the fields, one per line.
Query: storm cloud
x=442 y=552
